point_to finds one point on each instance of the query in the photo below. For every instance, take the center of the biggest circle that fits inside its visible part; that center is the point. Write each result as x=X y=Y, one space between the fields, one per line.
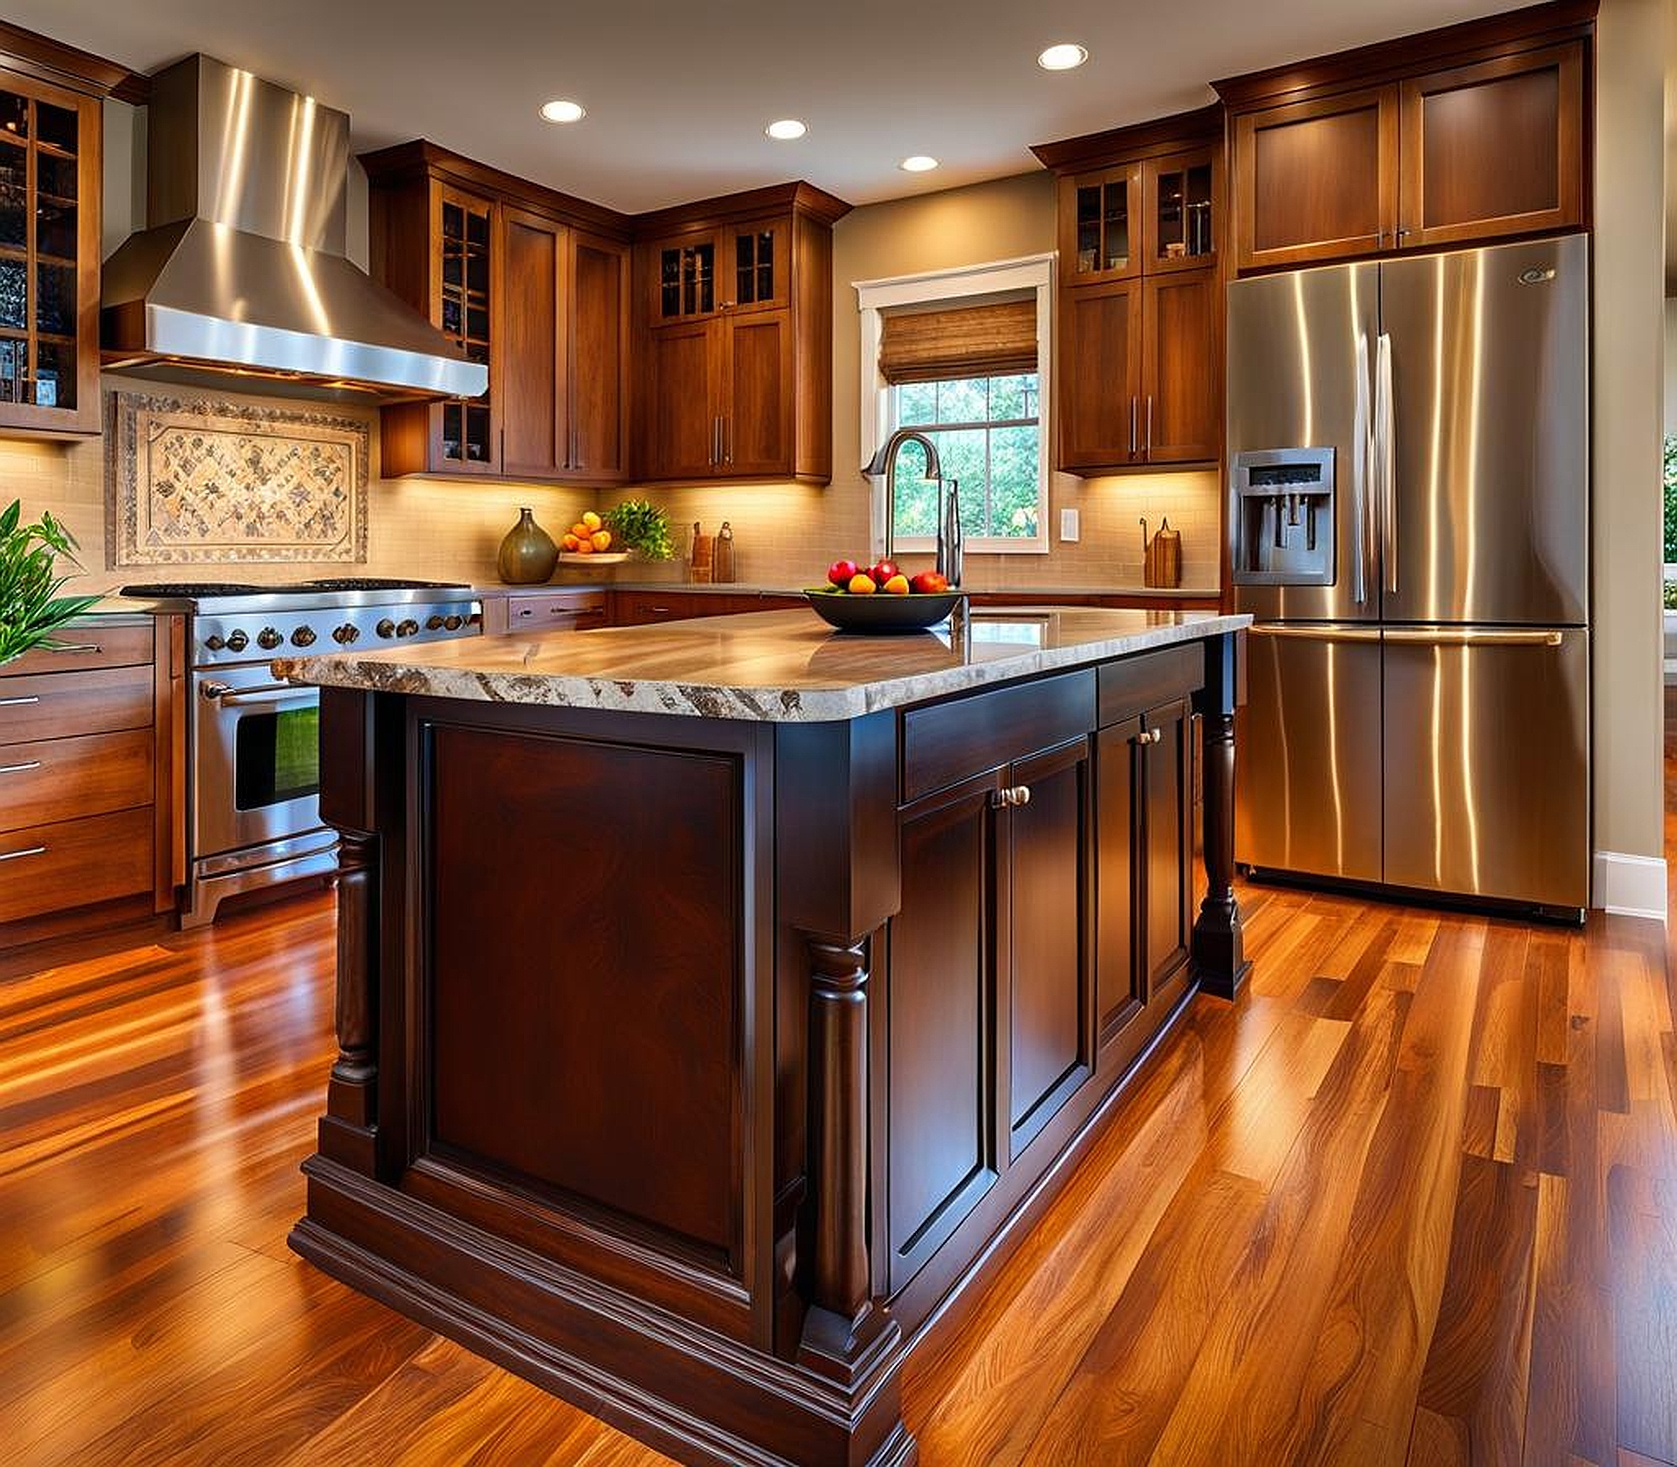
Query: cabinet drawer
x=63 y=779
x=950 y=741
x=66 y=705
x=576 y=611
x=638 y=610
x=51 y=868
x=1136 y=684
x=86 y=645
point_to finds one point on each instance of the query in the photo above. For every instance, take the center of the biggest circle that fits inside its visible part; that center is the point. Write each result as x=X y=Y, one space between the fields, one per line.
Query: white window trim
x=1032 y=272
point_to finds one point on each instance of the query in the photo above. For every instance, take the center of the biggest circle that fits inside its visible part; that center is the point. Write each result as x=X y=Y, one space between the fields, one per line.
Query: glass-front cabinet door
x=1181 y=193
x=685 y=281
x=49 y=271
x=742 y=267
x=468 y=280
x=758 y=258
x=1100 y=225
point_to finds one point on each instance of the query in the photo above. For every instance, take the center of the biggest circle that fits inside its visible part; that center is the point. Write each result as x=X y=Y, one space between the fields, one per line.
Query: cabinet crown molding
x=798 y=197
x=68 y=66
x=1156 y=137
x=1384 y=61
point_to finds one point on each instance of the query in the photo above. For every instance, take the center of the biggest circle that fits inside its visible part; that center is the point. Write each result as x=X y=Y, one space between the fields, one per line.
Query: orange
x=601 y=539
x=861 y=585
x=570 y=542
x=592 y=521
x=897 y=586
x=585 y=547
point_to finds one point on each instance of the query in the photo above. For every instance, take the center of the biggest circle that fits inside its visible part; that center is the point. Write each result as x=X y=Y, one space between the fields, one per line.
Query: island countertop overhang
x=774 y=667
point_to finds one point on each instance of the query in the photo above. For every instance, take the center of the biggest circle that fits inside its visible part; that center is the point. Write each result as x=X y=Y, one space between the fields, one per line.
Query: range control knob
x=452 y=623
x=267 y=639
x=346 y=634
x=237 y=642
x=433 y=623
x=303 y=637
x=214 y=643
x=408 y=628
x=386 y=628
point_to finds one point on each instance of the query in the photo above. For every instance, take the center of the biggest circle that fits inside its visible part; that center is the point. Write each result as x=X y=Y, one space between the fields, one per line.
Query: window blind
x=967 y=341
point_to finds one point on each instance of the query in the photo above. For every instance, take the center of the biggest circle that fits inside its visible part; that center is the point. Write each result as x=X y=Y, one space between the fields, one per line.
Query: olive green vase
x=528 y=554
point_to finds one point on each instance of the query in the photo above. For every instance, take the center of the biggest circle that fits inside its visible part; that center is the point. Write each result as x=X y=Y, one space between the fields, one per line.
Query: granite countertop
x=768 y=666
x=759 y=588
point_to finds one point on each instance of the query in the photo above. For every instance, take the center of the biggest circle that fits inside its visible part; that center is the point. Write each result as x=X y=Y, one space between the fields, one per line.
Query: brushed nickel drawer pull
x=1012 y=797
x=68 y=647
x=20 y=768
x=1150 y=736
x=19 y=855
x=20 y=702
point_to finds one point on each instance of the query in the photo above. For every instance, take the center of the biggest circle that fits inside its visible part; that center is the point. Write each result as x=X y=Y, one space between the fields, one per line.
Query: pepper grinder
x=722 y=564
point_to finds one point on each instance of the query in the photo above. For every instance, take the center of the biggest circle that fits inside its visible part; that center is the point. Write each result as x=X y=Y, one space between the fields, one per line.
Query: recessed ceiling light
x=787 y=129
x=563 y=111
x=1065 y=56
x=919 y=163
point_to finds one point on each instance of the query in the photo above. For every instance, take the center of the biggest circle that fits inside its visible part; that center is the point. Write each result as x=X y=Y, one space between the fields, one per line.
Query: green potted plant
x=31 y=609
x=637 y=525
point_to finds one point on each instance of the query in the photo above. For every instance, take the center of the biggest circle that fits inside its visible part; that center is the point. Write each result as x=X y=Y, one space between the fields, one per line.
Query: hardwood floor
x=1413 y=1199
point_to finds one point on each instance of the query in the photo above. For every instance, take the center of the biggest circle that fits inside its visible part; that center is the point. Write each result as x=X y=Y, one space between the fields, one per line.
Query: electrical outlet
x=1068 y=524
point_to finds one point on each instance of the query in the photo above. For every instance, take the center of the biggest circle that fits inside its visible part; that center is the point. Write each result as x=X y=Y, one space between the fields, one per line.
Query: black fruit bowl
x=881 y=613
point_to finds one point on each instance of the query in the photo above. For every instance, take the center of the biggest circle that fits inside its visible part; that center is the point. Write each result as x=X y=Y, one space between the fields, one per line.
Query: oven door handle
x=228 y=696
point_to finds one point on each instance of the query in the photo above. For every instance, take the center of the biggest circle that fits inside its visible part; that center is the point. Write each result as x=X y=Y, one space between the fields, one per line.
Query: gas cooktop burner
x=162 y=590
x=382 y=583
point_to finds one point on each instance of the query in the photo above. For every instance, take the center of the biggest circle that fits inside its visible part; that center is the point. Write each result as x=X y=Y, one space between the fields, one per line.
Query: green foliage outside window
x=1670 y=499
x=986 y=430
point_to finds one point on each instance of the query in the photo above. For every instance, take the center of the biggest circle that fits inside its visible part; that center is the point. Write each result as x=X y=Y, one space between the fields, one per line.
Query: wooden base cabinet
x=715 y=1177
x=1460 y=136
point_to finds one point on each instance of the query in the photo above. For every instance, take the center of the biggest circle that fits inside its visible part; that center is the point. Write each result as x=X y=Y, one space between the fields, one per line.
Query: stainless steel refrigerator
x=1408 y=451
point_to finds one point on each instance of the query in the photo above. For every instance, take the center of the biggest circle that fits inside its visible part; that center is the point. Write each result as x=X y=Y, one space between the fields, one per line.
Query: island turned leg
x=1218 y=951
x=346 y=1130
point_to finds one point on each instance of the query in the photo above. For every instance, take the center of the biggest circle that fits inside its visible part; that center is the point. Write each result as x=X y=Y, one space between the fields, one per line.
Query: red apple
x=930 y=583
x=883 y=572
x=842 y=572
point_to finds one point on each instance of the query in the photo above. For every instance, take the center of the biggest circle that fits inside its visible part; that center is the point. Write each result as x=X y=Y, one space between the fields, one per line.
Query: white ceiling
x=678 y=91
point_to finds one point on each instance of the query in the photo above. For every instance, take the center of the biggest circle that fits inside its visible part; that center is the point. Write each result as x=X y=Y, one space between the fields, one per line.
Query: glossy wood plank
x=1410 y=1200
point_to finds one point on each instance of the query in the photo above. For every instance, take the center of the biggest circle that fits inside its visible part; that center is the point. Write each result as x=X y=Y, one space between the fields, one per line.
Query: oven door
x=257 y=774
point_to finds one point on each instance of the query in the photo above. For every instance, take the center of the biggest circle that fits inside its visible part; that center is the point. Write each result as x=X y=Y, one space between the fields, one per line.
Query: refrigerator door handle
x=1474 y=637
x=1362 y=453
x=1299 y=633
x=1386 y=452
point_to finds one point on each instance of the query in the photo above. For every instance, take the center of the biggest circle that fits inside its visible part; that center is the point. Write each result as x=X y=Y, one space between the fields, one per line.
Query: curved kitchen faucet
x=949 y=547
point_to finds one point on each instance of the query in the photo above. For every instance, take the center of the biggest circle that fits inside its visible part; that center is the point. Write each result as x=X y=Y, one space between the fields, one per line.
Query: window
x=962 y=356
x=987 y=431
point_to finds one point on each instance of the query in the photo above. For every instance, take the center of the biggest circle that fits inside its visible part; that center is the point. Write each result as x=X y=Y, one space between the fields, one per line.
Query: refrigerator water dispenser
x=1284 y=517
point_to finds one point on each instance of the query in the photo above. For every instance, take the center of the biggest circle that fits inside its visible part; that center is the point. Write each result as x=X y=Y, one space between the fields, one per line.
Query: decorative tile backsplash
x=200 y=480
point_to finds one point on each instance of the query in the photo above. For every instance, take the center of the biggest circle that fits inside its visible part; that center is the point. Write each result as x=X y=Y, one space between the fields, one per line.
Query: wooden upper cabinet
x=1316 y=180
x=1473 y=133
x=1099 y=388
x=735 y=338
x=50 y=185
x=1494 y=149
x=1101 y=225
x=536 y=295
x=1139 y=320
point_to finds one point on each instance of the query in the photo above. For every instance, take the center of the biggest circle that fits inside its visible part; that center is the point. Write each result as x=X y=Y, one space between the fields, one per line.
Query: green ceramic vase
x=528 y=554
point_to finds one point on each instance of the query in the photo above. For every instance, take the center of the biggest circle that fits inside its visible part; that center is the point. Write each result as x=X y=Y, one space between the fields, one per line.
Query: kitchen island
x=719 y=1003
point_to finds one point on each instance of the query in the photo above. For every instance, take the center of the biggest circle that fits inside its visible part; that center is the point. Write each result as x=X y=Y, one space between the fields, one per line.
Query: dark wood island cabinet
x=720 y=1001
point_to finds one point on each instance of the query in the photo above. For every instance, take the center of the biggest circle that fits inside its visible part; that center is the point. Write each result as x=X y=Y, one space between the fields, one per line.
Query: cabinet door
x=683 y=278
x=527 y=365
x=1049 y=990
x=941 y=1015
x=755 y=271
x=597 y=362
x=1167 y=847
x=683 y=419
x=465 y=436
x=1494 y=149
x=1182 y=394
x=1100 y=225
x=49 y=257
x=1099 y=387
x=1316 y=180
x=1120 y=987
x=1181 y=197
x=757 y=374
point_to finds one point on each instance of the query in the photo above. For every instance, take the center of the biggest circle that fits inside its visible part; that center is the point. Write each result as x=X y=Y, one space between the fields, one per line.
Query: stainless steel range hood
x=243 y=269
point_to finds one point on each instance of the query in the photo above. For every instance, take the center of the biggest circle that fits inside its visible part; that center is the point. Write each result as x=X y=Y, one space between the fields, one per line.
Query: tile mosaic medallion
x=197 y=479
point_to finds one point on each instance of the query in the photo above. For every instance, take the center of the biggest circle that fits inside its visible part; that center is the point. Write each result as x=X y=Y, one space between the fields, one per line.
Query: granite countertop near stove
x=770 y=666
x=1046 y=594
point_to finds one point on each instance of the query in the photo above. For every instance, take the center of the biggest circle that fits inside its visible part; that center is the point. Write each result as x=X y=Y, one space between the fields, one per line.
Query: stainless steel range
x=253 y=816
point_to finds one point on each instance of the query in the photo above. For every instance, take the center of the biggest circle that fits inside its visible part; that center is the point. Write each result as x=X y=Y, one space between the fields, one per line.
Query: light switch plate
x=1069 y=524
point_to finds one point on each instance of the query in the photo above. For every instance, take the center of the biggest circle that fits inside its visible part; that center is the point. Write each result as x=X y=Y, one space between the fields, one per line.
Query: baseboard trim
x=1629 y=886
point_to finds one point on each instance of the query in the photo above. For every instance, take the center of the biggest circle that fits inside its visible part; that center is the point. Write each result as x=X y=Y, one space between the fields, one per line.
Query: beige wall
x=1628 y=410
x=1671 y=364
